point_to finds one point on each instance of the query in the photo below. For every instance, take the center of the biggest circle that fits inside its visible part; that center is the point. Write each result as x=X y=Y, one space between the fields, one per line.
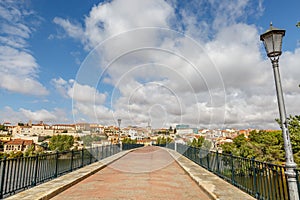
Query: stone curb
x=51 y=188
x=214 y=186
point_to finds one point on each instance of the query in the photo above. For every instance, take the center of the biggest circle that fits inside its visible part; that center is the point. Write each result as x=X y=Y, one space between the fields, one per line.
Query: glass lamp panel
x=277 y=42
x=268 y=42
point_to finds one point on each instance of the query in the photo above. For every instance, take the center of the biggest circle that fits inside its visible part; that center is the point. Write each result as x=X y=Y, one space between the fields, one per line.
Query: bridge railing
x=18 y=174
x=259 y=179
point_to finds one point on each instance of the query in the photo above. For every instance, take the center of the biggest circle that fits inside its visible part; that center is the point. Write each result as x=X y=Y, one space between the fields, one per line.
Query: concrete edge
x=207 y=191
x=201 y=183
x=55 y=186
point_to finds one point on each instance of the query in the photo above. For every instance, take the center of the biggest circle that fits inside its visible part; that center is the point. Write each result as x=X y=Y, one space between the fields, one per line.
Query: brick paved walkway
x=147 y=173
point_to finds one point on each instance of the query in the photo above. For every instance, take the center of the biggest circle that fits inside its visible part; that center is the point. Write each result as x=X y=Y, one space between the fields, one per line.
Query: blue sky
x=164 y=62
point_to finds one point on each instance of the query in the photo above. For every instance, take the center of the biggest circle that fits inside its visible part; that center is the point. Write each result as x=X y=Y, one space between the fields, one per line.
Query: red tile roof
x=20 y=142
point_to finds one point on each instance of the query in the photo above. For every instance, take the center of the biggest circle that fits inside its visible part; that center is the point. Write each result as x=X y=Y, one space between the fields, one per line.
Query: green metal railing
x=259 y=179
x=18 y=174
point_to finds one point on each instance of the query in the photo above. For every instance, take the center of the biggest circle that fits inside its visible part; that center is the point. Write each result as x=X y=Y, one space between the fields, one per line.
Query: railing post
x=2 y=177
x=218 y=163
x=72 y=155
x=36 y=169
x=232 y=169
x=200 y=157
x=254 y=178
x=110 y=151
x=97 y=153
x=194 y=154
x=91 y=155
x=106 y=151
x=207 y=159
x=82 y=156
x=56 y=164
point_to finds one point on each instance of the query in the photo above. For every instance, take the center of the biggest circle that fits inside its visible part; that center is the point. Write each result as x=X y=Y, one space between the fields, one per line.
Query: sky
x=153 y=62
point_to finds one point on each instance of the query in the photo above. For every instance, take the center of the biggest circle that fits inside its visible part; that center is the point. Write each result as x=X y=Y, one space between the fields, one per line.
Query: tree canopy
x=266 y=146
x=163 y=140
x=200 y=143
x=61 y=142
x=129 y=141
x=89 y=139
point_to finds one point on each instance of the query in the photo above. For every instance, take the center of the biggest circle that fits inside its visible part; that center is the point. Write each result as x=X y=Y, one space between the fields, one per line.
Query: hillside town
x=22 y=136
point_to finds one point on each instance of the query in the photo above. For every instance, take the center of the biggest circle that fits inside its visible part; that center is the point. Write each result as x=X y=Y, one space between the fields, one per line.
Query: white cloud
x=16 y=61
x=217 y=78
x=73 y=30
x=115 y=17
x=24 y=115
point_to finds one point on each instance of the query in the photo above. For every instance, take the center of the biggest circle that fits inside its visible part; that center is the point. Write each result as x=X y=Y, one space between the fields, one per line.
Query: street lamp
x=272 y=40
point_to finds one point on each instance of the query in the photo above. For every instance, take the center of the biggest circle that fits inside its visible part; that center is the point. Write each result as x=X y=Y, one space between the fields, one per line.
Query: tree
x=30 y=151
x=163 y=140
x=240 y=140
x=294 y=130
x=298 y=24
x=44 y=145
x=129 y=141
x=61 y=142
x=2 y=127
x=262 y=145
x=89 y=139
x=17 y=154
x=197 y=142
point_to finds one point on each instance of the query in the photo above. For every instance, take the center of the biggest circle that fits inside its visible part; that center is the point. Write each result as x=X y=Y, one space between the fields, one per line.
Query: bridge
x=143 y=173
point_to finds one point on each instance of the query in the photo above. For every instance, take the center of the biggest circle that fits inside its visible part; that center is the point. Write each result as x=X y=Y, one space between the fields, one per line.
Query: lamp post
x=119 y=123
x=272 y=40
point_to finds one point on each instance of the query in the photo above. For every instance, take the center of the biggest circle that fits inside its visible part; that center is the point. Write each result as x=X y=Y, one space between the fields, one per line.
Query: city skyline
x=158 y=62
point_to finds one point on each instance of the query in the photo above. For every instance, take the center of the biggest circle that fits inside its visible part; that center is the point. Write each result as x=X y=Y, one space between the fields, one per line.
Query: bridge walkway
x=146 y=173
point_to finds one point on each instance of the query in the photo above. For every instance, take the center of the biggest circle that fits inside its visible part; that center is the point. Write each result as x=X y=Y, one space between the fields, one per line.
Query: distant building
x=60 y=128
x=183 y=129
x=5 y=138
x=182 y=126
x=83 y=127
x=18 y=145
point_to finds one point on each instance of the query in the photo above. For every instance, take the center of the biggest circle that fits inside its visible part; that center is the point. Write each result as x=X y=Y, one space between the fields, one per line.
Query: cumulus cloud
x=24 y=115
x=210 y=74
x=16 y=61
x=111 y=18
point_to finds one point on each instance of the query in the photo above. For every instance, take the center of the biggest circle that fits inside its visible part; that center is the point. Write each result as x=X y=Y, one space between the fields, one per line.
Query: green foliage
x=30 y=151
x=298 y=24
x=264 y=146
x=3 y=155
x=197 y=142
x=207 y=144
x=294 y=130
x=129 y=141
x=44 y=145
x=2 y=127
x=61 y=142
x=200 y=143
x=163 y=140
x=88 y=139
x=18 y=154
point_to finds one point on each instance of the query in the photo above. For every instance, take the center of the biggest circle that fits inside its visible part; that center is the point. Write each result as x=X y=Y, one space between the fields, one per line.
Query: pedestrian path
x=146 y=173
